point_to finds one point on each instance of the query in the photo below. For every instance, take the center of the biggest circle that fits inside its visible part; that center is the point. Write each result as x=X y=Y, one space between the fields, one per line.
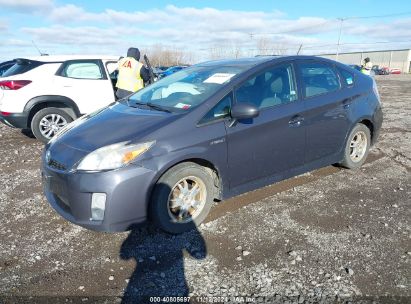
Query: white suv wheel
x=51 y=124
x=48 y=121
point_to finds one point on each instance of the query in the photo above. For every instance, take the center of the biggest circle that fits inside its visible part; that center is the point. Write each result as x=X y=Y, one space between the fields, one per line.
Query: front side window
x=219 y=111
x=82 y=70
x=270 y=88
x=186 y=89
x=318 y=78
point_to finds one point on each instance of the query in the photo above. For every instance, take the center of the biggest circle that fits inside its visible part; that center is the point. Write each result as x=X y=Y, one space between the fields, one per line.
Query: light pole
x=339 y=37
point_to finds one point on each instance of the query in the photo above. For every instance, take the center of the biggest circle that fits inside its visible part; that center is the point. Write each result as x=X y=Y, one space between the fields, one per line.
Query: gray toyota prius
x=209 y=132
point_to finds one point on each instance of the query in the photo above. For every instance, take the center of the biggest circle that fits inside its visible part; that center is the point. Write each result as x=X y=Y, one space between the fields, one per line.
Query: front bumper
x=16 y=120
x=127 y=189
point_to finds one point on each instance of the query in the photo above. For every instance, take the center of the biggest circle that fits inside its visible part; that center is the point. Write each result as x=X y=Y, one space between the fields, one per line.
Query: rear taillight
x=13 y=84
x=5 y=113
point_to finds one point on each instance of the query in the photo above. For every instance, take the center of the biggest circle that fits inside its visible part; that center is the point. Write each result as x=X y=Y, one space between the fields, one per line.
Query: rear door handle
x=346 y=103
x=296 y=121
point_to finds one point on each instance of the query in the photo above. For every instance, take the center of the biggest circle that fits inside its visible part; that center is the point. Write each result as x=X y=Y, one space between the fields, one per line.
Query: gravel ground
x=328 y=235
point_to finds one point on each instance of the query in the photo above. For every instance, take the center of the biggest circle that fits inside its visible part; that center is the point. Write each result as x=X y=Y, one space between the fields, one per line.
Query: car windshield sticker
x=183 y=106
x=219 y=78
x=349 y=80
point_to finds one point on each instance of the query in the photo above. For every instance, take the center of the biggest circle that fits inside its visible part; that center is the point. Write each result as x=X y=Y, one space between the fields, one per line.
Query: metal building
x=393 y=59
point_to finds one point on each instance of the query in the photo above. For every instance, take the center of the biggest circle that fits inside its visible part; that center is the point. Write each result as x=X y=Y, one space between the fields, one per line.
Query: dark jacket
x=144 y=72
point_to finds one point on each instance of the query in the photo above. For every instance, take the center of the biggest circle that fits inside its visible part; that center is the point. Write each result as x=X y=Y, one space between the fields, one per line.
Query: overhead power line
x=340 y=19
x=377 y=16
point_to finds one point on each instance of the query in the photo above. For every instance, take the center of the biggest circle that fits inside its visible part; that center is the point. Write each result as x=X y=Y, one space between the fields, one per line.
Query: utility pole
x=339 y=37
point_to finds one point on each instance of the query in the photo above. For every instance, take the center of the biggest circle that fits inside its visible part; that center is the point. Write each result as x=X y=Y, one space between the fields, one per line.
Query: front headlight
x=113 y=156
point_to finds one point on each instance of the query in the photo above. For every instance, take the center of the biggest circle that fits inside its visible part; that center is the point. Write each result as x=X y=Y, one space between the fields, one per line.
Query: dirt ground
x=328 y=235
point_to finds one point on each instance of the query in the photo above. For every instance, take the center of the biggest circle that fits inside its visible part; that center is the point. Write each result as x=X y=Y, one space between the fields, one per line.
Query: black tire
x=159 y=212
x=350 y=161
x=35 y=122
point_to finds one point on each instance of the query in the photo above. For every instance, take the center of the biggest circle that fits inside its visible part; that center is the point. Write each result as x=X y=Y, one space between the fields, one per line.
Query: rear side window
x=21 y=66
x=5 y=66
x=347 y=77
x=81 y=70
x=318 y=79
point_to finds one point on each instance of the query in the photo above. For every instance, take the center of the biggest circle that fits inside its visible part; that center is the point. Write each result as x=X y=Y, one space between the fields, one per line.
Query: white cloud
x=74 y=29
x=397 y=30
x=3 y=26
x=62 y=35
x=181 y=26
x=26 y=5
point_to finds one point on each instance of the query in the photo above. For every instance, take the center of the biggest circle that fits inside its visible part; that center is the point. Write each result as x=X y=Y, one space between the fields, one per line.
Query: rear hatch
x=21 y=66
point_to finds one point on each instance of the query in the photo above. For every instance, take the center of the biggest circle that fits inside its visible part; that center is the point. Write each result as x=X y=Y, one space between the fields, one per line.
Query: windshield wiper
x=148 y=104
x=157 y=107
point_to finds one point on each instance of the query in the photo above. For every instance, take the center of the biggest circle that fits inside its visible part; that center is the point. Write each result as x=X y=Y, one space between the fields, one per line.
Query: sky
x=204 y=29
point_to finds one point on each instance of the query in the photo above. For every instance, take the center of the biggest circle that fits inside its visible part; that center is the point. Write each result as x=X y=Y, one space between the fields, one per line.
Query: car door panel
x=325 y=113
x=88 y=94
x=265 y=146
x=326 y=124
x=274 y=141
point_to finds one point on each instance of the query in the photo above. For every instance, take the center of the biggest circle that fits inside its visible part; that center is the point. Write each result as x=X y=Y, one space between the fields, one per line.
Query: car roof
x=250 y=62
x=61 y=58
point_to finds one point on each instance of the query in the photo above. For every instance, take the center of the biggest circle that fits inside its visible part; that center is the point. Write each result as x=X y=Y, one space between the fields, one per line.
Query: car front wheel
x=182 y=198
x=357 y=147
x=47 y=122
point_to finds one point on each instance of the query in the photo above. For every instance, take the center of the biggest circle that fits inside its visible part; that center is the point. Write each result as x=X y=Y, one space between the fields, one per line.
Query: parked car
x=384 y=71
x=171 y=70
x=157 y=71
x=395 y=71
x=206 y=133
x=359 y=68
x=46 y=93
x=380 y=71
x=4 y=66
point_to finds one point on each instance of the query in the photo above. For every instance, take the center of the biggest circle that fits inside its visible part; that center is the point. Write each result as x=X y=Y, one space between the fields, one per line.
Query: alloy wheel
x=358 y=146
x=187 y=199
x=51 y=124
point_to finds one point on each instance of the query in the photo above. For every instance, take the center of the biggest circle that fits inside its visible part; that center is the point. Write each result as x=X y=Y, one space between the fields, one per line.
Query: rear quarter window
x=22 y=66
x=347 y=77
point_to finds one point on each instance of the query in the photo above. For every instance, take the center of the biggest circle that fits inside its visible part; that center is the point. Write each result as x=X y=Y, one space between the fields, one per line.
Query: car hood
x=114 y=124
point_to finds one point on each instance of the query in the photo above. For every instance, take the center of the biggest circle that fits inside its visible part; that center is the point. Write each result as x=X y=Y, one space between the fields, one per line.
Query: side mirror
x=244 y=110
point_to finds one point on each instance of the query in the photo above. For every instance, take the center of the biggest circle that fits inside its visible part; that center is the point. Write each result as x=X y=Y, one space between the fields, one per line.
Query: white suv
x=46 y=93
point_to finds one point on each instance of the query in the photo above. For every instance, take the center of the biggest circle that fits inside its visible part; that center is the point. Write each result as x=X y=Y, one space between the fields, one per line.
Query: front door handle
x=296 y=121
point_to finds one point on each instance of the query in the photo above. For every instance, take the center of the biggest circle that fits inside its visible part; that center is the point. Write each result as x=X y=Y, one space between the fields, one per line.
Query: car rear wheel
x=357 y=147
x=182 y=198
x=47 y=122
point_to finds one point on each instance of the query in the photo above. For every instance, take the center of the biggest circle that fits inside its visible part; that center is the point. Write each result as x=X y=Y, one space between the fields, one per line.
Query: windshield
x=185 y=89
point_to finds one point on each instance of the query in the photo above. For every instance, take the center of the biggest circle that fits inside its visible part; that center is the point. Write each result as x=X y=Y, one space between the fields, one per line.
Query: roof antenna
x=299 y=49
x=38 y=50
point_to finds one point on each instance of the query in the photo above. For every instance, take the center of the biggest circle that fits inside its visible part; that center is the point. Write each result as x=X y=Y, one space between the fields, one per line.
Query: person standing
x=366 y=66
x=132 y=74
